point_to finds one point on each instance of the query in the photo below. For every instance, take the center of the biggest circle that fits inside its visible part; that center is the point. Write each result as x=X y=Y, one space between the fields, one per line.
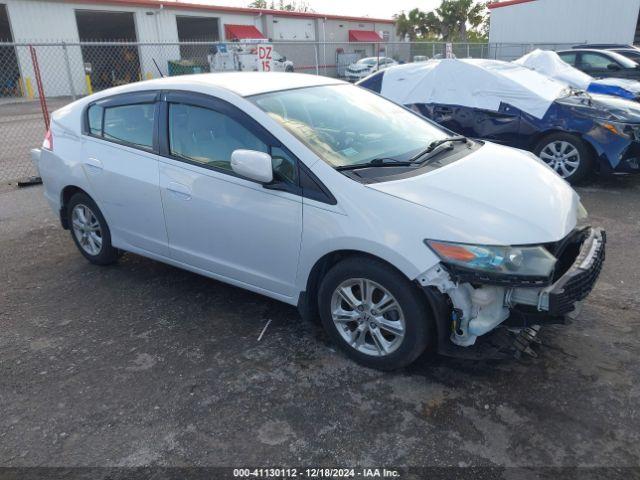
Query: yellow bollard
x=29 y=88
x=87 y=80
x=149 y=76
x=20 y=87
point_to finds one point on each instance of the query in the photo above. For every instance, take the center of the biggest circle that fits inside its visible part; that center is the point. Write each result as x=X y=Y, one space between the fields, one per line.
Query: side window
x=208 y=137
x=130 y=124
x=594 y=60
x=569 y=57
x=94 y=115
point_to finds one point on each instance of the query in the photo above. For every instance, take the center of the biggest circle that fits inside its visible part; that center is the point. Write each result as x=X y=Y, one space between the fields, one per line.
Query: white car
x=366 y=66
x=320 y=194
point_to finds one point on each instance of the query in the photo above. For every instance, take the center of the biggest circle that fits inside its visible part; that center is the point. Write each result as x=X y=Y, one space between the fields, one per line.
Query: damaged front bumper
x=476 y=308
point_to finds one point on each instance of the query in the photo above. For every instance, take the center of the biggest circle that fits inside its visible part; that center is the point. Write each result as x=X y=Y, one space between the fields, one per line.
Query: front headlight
x=507 y=260
x=627 y=130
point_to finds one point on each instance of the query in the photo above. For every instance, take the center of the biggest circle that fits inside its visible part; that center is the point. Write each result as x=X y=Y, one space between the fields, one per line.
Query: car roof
x=241 y=83
x=574 y=50
x=605 y=45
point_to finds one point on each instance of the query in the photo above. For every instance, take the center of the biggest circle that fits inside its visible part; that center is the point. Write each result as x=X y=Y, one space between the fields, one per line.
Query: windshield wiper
x=435 y=144
x=376 y=162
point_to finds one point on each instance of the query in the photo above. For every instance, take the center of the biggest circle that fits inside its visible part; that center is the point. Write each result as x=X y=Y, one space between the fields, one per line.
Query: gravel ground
x=144 y=364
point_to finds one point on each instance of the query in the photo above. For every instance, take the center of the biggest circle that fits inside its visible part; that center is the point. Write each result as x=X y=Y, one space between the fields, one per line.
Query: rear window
x=130 y=124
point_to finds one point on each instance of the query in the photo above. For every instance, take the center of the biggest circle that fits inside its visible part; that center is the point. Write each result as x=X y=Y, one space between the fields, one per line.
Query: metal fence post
x=41 y=95
x=315 y=48
x=69 y=76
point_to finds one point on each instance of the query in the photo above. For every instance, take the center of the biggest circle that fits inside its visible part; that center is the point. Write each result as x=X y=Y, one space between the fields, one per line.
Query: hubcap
x=563 y=157
x=86 y=229
x=367 y=317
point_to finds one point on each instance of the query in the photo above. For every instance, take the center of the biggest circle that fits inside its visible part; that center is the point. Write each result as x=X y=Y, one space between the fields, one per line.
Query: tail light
x=47 y=143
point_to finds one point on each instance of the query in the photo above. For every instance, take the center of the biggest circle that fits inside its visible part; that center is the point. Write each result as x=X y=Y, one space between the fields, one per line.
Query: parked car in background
x=550 y=64
x=601 y=63
x=573 y=132
x=401 y=236
x=630 y=51
x=366 y=66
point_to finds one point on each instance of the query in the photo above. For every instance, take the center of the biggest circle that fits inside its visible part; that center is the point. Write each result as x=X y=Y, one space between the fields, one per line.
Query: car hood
x=605 y=107
x=495 y=195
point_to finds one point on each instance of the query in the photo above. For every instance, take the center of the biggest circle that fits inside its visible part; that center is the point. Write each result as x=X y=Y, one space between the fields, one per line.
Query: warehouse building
x=145 y=22
x=564 y=21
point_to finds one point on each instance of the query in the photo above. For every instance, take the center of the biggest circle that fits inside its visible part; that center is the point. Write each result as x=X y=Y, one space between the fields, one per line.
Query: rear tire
x=388 y=326
x=568 y=155
x=90 y=231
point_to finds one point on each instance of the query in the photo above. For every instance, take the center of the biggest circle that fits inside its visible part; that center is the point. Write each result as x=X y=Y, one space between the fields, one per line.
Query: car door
x=501 y=127
x=120 y=161
x=217 y=221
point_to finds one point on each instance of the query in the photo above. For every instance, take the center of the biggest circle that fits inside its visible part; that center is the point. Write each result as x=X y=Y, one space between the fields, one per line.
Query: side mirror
x=253 y=165
x=613 y=66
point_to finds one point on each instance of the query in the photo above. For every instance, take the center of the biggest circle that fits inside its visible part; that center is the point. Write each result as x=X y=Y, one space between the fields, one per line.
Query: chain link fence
x=39 y=78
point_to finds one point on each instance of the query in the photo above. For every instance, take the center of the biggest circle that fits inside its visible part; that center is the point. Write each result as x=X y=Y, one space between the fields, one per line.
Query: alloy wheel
x=368 y=317
x=562 y=156
x=86 y=229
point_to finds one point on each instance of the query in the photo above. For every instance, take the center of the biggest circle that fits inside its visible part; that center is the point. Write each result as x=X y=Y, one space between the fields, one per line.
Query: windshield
x=347 y=125
x=367 y=61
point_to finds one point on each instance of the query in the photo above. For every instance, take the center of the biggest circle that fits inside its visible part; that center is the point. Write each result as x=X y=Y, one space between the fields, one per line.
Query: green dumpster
x=186 y=67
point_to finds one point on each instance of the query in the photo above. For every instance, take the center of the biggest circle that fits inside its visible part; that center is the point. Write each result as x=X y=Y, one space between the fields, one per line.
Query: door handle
x=94 y=165
x=179 y=190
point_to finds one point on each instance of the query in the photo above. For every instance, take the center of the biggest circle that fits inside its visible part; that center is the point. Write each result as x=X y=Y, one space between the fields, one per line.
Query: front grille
x=578 y=285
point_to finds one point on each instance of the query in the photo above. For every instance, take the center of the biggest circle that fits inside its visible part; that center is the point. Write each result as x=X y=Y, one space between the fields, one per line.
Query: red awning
x=242 y=32
x=364 y=36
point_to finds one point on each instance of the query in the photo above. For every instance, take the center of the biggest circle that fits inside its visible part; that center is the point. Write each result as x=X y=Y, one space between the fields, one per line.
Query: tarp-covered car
x=572 y=131
x=550 y=64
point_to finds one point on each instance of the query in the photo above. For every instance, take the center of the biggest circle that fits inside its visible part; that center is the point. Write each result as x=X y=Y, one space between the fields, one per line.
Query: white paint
x=234 y=230
x=565 y=22
x=293 y=29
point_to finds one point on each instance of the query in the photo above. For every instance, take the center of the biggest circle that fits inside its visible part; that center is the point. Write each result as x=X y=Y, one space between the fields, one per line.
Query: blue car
x=574 y=132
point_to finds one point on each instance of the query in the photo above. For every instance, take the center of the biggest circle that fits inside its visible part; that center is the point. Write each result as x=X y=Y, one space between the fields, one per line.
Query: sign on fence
x=265 y=56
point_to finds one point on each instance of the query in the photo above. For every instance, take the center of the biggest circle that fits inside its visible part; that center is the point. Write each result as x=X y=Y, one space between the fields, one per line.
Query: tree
x=411 y=24
x=292 y=6
x=452 y=20
x=454 y=17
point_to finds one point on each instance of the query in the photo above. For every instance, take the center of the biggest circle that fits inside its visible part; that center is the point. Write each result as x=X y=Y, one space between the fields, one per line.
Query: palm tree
x=450 y=21
x=411 y=24
x=454 y=17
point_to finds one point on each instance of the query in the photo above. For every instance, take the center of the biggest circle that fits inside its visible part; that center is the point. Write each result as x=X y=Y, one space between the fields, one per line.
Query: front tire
x=90 y=231
x=374 y=313
x=567 y=154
